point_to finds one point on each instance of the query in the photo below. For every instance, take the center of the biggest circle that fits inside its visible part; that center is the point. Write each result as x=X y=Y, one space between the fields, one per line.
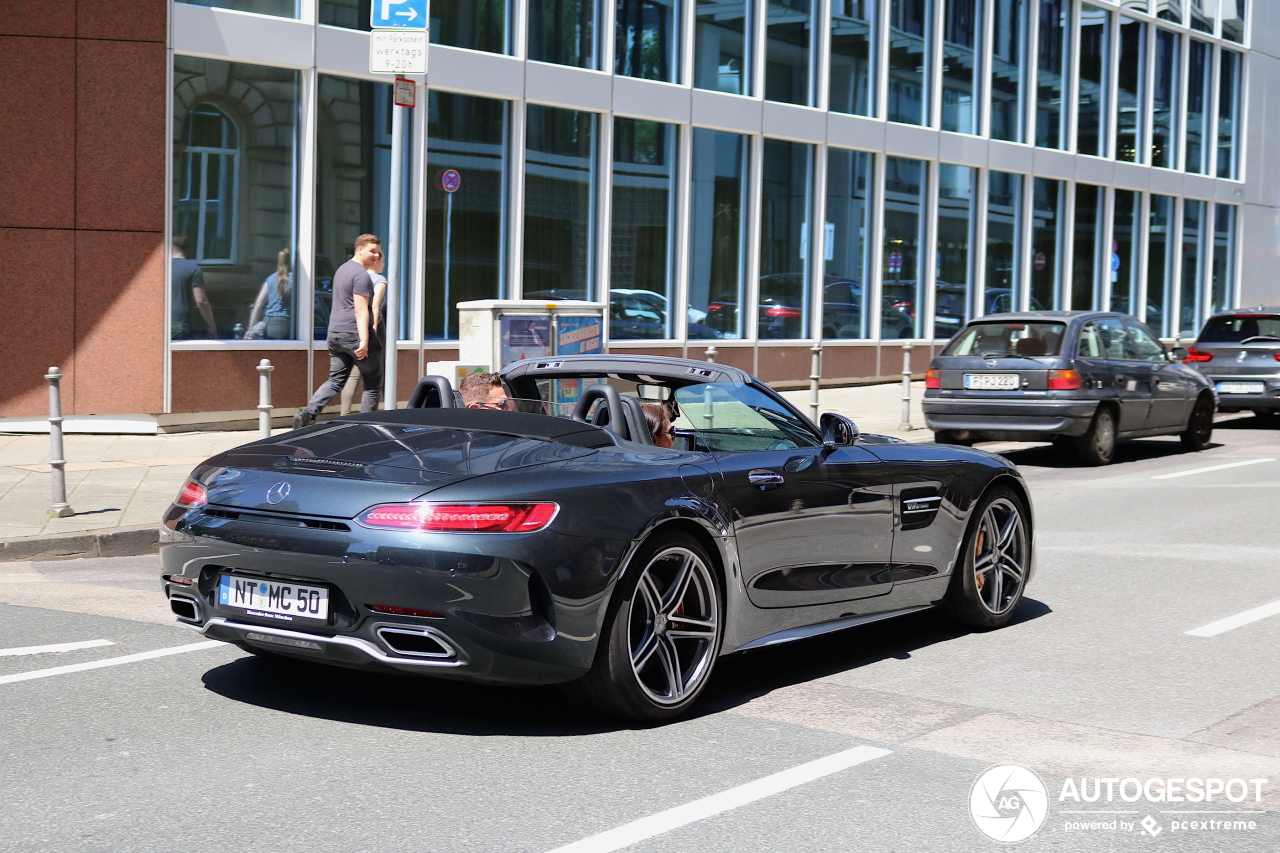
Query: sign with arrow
x=398 y=14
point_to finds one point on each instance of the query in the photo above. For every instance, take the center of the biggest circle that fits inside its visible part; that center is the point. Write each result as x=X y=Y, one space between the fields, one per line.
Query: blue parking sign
x=398 y=14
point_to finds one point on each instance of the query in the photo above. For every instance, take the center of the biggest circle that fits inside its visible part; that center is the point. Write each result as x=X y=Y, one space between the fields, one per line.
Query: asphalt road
x=867 y=740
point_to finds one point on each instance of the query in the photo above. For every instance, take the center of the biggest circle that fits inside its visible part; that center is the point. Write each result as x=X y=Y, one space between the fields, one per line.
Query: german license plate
x=991 y=381
x=1241 y=388
x=274 y=600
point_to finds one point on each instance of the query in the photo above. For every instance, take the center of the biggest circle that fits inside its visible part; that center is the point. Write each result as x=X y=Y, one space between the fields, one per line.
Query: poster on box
x=525 y=337
x=578 y=335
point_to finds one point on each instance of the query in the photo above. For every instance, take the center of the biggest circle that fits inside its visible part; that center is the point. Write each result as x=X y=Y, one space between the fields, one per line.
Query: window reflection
x=1170 y=10
x=560 y=182
x=722 y=46
x=905 y=189
x=1130 y=95
x=957 y=212
x=1201 y=14
x=1126 y=287
x=847 y=280
x=784 y=239
x=1233 y=20
x=234 y=197
x=853 y=52
x=647 y=41
x=717 y=239
x=1160 y=264
x=1224 y=252
x=278 y=8
x=910 y=33
x=1008 y=61
x=563 y=32
x=1004 y=240
x=475 y=24
x=1048 y=212
x=1086 y=256
x=1164 y=118
x=1228 y=109
x=1194 y=226
x=465 y=240
x=788 y=25
x=960 y=28
x=642 y=245
x=1091 y=135
x=1199 y=118
x=1054 y=35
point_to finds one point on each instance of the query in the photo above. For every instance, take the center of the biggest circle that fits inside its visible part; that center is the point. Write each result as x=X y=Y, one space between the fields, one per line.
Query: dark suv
x=1239 y=352
x=1079 y=378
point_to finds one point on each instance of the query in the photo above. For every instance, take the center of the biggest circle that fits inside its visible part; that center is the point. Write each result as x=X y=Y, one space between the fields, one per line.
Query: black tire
x=645 y=669
x=1098 y=445
x=1199 y=431
x=943 y=436
x=991 y=569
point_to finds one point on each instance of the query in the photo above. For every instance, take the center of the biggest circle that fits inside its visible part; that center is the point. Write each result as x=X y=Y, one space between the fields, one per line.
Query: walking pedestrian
x=352 y=341
x=188 y=293
x=272 y=312
x=374 y=268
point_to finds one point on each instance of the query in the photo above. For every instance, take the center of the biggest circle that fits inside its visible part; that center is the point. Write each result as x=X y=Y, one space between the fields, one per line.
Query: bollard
x=815 y=378
x=264 y=398
x=711 y=353
x=57 y=465
x=905 y=426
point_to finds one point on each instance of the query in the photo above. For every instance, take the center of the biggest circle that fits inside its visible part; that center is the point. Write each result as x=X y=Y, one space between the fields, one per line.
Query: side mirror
x=838 y=431
x=1178 y=353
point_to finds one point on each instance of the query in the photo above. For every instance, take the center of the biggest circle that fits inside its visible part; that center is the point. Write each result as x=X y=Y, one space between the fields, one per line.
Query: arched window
x=207 y=185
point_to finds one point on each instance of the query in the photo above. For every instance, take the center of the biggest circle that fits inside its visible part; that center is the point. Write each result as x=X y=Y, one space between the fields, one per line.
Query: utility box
x=497 y=332
x=454 y=370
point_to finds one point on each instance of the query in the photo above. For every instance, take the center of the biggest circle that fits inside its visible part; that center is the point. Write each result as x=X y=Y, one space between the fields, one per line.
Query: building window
x=1004 y=241
x=853 y=56
x=353 y=178
x=1131 y=113
x=1201 y=15
x=788 y=51
x=722 y=52
x=1222 y=290
x=910 y=60
x=560 y=182
x=957 y=214
x=717 y=239
x=905 y=193
x=647 y=39
x=1091 y=130
x=1199 y=118
x=1086 y=255
x=785 y=205
x=235 y=196
x=474 y=24
x=1228 y=109
x=960 y=28
x=642 y=247
x=1194 y=226
x=1160 y=264
x=1008 y=64
x=846 y=284
x=563 y=32
x=349 y=14
x=1048 y=212
x=1164 y=117
x=276 y=8
x=1169 y=10
x=465 y=241
x=1126 y=287
x=1054 y=48
x=1233 y=20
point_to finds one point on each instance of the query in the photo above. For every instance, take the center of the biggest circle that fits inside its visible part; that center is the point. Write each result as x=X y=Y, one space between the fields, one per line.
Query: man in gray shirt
x=188 y=294
x=352 y=341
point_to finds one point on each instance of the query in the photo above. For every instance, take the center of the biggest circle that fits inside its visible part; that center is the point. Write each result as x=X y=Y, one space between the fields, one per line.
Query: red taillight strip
x=192 y=495
x=460 y=518
x=1197 y=355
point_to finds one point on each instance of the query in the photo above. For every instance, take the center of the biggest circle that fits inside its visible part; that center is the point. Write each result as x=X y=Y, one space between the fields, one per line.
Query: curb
x=107 y=542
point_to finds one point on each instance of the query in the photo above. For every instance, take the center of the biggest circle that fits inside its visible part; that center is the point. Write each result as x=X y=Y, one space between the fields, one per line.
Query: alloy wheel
x=672 y=625
x=1000 y=557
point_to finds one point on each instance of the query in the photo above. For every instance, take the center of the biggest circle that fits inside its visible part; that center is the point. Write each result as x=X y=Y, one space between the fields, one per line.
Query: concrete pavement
x=119 y=485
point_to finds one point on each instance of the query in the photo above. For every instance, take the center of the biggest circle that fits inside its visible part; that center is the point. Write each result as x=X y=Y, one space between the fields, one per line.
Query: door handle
x=764 y=478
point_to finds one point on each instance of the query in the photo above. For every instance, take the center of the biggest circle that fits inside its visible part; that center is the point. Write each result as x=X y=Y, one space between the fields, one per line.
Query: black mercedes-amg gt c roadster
x=550 y=540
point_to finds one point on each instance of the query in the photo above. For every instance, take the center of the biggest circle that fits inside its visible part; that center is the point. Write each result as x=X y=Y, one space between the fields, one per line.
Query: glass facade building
x=755 y=175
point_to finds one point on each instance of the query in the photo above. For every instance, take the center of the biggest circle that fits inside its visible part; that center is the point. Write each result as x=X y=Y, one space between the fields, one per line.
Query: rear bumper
x=1012 y=420
x=1268 y=399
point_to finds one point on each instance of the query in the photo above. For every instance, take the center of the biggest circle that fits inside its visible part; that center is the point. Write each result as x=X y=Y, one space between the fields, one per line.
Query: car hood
x=340 y=469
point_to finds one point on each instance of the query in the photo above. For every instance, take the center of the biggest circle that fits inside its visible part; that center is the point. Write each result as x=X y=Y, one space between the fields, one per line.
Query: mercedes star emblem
x=277 y=493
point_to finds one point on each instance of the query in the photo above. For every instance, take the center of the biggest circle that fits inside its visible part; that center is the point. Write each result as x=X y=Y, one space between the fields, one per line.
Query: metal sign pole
x=393 y=252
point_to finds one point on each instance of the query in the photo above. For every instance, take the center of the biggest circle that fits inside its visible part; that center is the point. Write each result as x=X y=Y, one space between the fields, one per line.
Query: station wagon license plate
x=991 y=381
x=283 y=601
x=1241 y=388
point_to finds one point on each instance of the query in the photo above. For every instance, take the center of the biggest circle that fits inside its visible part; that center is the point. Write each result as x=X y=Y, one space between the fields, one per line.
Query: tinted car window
x=1145 y=346
x=1106 y=338
x=733 y=416
x=1239 y=328
x=1027 y=340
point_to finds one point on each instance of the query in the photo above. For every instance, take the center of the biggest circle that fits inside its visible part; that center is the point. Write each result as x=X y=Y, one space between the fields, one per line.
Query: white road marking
x=648 y=827
x=1213 y=629
x=99 y=664
x=1211 y=468
x=56 y=647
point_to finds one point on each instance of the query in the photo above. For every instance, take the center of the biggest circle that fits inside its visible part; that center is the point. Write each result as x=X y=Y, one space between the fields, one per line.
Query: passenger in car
x=655 y=416
x=483 y=391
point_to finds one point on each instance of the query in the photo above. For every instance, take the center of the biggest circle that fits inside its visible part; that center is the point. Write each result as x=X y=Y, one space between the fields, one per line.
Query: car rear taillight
x=460 y=518
x=1064 y=380
x=1194 y=354
x=933 y=378
x=714 y=307
x=780 y=311
x=1277 y=355
x=192 y=495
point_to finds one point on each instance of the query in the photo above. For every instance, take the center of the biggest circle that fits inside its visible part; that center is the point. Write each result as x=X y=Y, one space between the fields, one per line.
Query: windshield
x=1241 y=328
x=1008 y=340
x=734 y=416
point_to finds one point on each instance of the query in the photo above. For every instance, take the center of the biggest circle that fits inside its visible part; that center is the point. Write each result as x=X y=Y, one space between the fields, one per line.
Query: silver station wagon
x=1239 y=352
x=1082 y=379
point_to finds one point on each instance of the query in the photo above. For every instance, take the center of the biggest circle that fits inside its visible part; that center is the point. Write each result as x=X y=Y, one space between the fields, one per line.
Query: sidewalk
x=119 y=485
